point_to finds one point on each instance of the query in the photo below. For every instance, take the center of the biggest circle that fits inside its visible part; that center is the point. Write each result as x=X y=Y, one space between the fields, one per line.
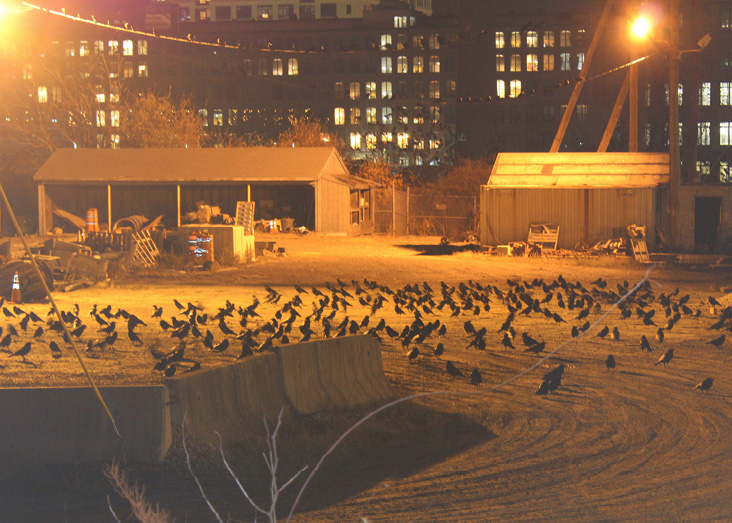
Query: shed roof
x=197 y=165
x=580 y=170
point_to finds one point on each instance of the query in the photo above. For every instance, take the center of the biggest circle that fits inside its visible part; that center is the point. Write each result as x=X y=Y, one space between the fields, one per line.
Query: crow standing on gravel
x=704 y=385
x=718 y=342
x=453 y=371
x=610 y=361
x=666 y=358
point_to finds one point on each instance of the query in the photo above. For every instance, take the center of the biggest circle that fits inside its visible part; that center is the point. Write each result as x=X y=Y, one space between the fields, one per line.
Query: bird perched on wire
x=666 y=358
x=704 y=385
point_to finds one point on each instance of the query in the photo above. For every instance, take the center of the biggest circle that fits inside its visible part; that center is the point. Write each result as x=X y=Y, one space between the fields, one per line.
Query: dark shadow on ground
x=394 y=444
x=442 y=249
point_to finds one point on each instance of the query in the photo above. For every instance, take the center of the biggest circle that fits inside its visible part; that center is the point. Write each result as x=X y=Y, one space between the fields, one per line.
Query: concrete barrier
x=68 y=425
x=232 y=400
x=300 y=377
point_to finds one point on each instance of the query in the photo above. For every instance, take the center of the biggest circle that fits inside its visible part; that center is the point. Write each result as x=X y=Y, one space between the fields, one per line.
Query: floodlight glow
x=641 y=27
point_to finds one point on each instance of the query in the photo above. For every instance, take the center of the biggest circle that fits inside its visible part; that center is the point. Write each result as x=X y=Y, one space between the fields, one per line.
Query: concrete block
x=232 y=400
x=300 y=377
x=48 y=426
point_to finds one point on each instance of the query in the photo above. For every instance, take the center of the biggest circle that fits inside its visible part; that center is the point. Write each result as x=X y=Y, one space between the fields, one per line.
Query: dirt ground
x=631 y=443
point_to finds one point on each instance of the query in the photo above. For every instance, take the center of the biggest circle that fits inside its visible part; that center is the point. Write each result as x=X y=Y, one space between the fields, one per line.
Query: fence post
x=393 y=209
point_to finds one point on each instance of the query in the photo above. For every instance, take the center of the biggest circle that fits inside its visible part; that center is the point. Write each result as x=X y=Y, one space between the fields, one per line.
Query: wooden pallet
x=544 y=233
x=144 y=249
x=245 y=217
x=640 y=250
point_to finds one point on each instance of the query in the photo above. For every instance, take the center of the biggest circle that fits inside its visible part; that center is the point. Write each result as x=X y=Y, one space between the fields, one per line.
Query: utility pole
x=674 y=168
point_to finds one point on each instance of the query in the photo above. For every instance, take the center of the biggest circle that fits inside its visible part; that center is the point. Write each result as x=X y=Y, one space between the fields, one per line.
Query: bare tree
x=154 y=120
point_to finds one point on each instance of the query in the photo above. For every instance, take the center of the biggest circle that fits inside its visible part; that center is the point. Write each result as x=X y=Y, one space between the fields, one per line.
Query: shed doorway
x=707 y=215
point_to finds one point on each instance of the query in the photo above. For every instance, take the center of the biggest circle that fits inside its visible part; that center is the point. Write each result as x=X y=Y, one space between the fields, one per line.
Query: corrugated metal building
x=310 y=184
x=591 y=196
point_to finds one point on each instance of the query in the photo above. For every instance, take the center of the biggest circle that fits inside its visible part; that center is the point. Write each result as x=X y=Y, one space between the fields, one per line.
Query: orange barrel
x=193 y=245
x=92 y=220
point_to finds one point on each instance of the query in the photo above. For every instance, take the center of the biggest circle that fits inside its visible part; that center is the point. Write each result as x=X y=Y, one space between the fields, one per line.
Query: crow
x=34 y=317
x=645 y=345
x=537 y=348
x=452 y=370
x=660 y=335
x=704 y=385
x=7 y=313
x=575 y=331
x=55 y=350
x=666 y=358
x=178 y=304
x=610 y=361
x=616 y=334
x=718 y=342
x=507 y=341
x=468 y=326
x=413 y=354
x=134 y=337
x=528 y=340
x=225 y=329
x=17 y=310
x=604 y=332
x=158 y=311
x=439 y=350
x=24 y=322
x=109 y=329
x=22 y=352
x=196 y=366
x=221 y=347
x=715 y=303
x=543 y=389
x=475 y=377
x=165 y=325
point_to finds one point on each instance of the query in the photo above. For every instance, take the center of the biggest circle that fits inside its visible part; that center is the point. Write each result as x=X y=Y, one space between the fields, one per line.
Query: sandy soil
x=626 y=444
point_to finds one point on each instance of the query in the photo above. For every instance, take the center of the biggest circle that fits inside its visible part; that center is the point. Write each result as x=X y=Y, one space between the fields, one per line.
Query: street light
x=641 y=27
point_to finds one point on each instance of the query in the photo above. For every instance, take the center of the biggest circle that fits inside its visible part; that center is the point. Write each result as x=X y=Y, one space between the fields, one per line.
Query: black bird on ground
x=610 y=361
x=616 y=334
x=453 y=371
x=575 y=331
x=38 y=333
x=718 y=342
x=543 y=389
x=645 y=345
x=537 y=348
x=55 y=350
x=604 y=332
x=221 y=347
x=23 y=351
x=704 y=385
x=666 y=358
x=714 y=302
x=475 y=377
x=158 y=312
x=528 y=340
x=506 y=341
x=439 y=350
x=660 y=335
x=134 y=337
x=413 y=354
x=109 y=329
x=178 y=304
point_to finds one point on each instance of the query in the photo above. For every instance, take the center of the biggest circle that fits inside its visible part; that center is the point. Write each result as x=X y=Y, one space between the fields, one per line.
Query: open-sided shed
x=591 y=196
x=310 y=184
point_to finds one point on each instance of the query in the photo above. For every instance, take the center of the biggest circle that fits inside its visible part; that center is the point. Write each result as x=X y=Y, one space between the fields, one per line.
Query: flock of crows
x=331 y=312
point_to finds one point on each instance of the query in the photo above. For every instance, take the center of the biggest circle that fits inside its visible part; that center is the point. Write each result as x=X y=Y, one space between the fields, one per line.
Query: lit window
x=515 y=88
x=705 y=94
x=435 y=143
x=70 y=49
x=434 y=41
x=402 y=65
x=725 y=93
x=703 y=135
x=356 y=141
x=203 y=115
x=232 y=116
x=27 y=72
x=725 y=176
x=515 y=39
x=355 y=115
x=127 y=48
x=515 y=62
x=55 y=94
x=500 y=63
x=680 y=91
x=386 y=114
x=339 y=116
x=725 y=15
x=532 y=39
x=417 y=64
x=565 y=38
x=142 y=70
x=435 y=114
x=400 y=22
x=386 y=64
x=101 y=118
x=371 y=115
x=370 y=90
x=725 y=136
x=548 y=62
x=114 y=94
x=647 y=134
x=277 y=67
x=500 y=41
x=128 y=71
x=142 y=47
x=114 y=118
x=218 y=117
x=264 y=12
x=403 y=140
x=451 y=87
x=434 y=64
x=115 y=141
x=581 y=113
x=565 y=59
x=371 y=141
x=98 y=47
x=549 y=39
x=418 y=118
x=386 y=42
x=99 y=94
x=434 y=89
x=500 y=88
x=112 y=47
x=402 y=42
x=704 y=168
x=354 y=90
x=42 y=94
x=292 y=68
x=387 y=137
x=532 y=62
x=386 y=91
x=83 y=48
x=580 y=61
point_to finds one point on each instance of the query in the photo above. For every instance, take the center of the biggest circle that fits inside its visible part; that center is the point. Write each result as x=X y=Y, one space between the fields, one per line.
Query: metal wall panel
x=588 y=215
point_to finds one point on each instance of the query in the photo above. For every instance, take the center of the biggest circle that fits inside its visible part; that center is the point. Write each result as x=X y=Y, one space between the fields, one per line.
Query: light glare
x=641 y=27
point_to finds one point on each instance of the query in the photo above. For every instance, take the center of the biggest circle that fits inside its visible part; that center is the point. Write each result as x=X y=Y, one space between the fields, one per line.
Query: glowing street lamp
x=641 y=27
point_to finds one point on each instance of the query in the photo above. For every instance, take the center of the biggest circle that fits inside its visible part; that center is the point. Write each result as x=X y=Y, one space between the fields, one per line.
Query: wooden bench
x=544 y=233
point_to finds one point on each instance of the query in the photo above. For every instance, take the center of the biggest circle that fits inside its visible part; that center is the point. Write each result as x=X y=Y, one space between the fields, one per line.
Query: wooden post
x=583 y=74
x=613 y=121
x=407 y=209
x=393 y=209
x=633 y=106
x=674 y=168
x=177 y=199
x=109 y=206
x=42 y=210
